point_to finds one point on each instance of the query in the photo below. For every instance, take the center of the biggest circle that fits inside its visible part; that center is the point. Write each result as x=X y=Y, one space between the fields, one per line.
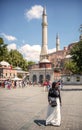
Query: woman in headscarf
x=54 y=113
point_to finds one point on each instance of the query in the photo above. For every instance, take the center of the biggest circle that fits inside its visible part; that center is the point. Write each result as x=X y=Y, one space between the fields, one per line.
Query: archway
x=41 y=79
x=34 y=78
x=48 y=77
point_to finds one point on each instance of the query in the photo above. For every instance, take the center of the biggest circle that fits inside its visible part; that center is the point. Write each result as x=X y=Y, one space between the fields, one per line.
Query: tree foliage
x=16 y=59
x=3 y=50
x=70 y=67
x=30 y=63
x=76 y=53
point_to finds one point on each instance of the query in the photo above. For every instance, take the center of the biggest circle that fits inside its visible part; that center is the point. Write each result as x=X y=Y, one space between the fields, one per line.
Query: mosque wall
x=72 y=79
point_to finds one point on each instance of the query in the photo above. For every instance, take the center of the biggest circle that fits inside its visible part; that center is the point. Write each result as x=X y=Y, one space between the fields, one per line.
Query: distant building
x=8 y=72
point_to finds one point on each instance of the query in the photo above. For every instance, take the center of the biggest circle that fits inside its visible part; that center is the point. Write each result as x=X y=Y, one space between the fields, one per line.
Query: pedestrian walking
x=53 y=112
x=45 y=84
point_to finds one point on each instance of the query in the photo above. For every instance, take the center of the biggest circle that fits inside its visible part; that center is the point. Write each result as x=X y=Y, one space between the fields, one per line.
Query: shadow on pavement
x=40 y=122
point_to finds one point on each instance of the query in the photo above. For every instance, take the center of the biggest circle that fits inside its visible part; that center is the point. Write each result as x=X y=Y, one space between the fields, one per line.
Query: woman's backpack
x=53 y=93
x=53 y=102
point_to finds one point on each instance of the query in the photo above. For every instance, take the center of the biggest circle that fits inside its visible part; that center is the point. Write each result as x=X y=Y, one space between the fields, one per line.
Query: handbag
x=53 y=102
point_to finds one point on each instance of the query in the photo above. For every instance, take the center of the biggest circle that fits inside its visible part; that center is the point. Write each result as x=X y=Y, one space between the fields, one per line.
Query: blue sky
x=20 y=24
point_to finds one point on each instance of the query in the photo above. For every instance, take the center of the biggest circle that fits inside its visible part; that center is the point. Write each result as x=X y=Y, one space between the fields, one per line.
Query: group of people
x=54 y=105
x=8 y=84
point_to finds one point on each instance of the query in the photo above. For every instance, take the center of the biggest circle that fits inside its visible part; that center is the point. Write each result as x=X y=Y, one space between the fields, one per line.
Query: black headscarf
x=53 y=84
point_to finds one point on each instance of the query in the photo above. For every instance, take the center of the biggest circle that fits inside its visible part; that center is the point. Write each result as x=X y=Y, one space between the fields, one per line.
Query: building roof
x=18 y=68
x=4 y=63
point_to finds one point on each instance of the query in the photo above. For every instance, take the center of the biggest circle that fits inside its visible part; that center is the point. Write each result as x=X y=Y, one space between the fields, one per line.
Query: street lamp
x=44 y=71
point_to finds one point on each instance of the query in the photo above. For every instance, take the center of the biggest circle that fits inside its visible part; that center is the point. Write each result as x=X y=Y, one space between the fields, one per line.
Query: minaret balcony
x=44 y=24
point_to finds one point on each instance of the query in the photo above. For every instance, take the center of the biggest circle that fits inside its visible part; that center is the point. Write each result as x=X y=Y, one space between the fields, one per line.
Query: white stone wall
x=72 y=79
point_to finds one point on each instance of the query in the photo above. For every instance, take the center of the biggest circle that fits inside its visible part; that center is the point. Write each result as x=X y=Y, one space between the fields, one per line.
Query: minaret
x=57 y=42
x=44 y=49
x=80 y=29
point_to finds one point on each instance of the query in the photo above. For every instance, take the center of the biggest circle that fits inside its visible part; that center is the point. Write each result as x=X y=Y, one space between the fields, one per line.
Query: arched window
x=41 y=79
x=78 y=78
x=68 y=79
x=48 y=76
x=34 y=78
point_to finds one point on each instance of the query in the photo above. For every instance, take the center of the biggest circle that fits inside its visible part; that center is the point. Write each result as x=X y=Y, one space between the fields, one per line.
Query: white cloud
x=12 y=46
x=34 y=13
x=8 y=37
x=31 y=52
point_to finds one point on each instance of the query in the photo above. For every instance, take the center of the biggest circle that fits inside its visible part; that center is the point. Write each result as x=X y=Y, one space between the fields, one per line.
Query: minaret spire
x=57 y=42
x=44 y=49
x=44 y=10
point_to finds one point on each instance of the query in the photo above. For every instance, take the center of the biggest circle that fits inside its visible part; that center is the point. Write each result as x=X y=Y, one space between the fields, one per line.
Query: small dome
x=18 y=68
x=4 y=63
x=68 y=56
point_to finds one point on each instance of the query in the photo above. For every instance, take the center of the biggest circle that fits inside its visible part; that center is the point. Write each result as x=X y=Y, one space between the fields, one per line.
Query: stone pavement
x=26 y=108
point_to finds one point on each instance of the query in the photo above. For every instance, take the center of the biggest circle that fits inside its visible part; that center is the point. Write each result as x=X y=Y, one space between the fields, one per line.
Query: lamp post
x=44 y=71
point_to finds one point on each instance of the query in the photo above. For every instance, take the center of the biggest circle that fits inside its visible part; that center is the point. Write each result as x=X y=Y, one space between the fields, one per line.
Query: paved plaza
x=26 y=108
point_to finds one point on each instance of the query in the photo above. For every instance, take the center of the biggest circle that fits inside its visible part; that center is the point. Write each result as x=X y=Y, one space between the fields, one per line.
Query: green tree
x=24 y=65
x=30 y=63
x=16 y=59
x=76 y=53
x=3 y=50
x=70 y=67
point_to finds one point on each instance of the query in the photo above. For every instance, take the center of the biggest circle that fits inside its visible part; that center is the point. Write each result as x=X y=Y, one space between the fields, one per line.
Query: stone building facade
x=6 y=71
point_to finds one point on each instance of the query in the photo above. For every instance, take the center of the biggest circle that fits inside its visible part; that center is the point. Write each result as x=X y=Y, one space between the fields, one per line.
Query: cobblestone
x=26 y=108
